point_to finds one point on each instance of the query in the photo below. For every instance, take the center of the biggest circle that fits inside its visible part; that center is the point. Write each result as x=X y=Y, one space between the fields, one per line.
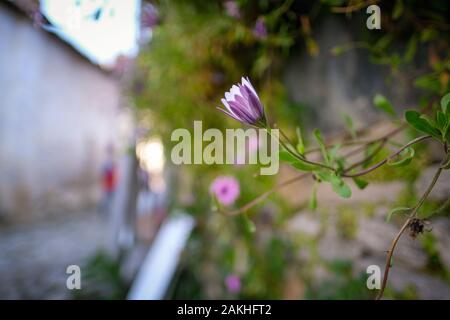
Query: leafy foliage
x=383 y=104
x=199 y=51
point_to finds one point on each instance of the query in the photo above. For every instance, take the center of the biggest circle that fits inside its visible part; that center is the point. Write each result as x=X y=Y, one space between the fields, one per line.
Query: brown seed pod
x=417 y=226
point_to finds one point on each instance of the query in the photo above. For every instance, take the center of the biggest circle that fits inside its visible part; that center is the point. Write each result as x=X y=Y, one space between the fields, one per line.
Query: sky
x=100 y=29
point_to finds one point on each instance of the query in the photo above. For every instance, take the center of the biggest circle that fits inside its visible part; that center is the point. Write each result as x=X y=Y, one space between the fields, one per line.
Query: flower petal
x=246 y=82
x=246 y=105
x=235 y=90
x=255 y=103
x=243 y=114
x=230 y=114
x=225 y=103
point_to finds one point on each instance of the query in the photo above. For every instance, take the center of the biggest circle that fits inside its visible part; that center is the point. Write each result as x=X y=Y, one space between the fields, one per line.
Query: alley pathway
x=34 y=257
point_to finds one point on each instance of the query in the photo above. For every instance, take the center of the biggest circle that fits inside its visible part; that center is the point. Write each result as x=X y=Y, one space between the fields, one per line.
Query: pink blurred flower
x=149 y=16
x=260 y=30
x=232 y=9
x=233 y=283
x=226 y=189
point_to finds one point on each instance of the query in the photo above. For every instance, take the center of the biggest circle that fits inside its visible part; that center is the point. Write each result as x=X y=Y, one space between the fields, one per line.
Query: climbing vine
x=199 y=48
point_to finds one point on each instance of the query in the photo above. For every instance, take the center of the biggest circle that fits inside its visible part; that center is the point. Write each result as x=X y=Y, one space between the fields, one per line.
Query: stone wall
x=332 y=85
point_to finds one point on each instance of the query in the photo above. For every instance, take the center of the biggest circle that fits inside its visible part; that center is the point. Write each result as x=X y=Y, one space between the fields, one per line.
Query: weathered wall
x=58 y=112
x=332 y=85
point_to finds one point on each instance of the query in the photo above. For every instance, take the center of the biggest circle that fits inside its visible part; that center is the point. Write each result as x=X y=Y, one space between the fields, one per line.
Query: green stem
x=289 y=142
x=297 y=156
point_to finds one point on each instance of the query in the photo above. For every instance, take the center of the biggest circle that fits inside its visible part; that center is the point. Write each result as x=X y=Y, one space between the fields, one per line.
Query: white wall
x=57 y=114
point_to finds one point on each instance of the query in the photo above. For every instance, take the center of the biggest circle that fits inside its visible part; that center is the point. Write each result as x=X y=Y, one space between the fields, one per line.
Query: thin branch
x=379 y=164
x=403 y=228
x=264 y=195
x=363 y=143
x=343 y=144
x=389 y=258
x=353 y=8
x=369 y=157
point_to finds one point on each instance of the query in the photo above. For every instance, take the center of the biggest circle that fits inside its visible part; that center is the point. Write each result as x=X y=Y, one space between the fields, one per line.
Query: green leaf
x=286 y=156
x=430 y=121
x=411 y=48
x=368 y=152
x=428 y=82
x=360 y=183
x=383 y=104
x=398 y=10
x=295 y=162
x=428 y=34
x=340 y=187
x=333 y=2
x=446 y=133
x=383 y=42
x=313 y=199
x=396 y=210
x=248 y=224
x=445 y=102
x=319 y=139
x=408 y=154
x=261 y=64
x=303 y=166
x=215 y=203
x=311 y=46
x=333 y=152
x=416 y=120
x=324 y=175
x=340 y=161
x=338 y=50
x=300 y=143
x=394 y=60
x=441 y=120
x=349 y=124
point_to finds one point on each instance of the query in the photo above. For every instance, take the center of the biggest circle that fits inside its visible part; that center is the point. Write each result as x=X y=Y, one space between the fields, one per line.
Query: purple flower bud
x=232 y=9
x=260 y=30
x=149 y=16
x=242 y=104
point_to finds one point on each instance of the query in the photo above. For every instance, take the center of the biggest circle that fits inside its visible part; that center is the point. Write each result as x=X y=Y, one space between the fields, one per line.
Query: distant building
x=58 y=113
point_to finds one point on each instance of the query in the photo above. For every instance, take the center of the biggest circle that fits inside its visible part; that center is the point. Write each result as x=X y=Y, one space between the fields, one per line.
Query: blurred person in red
x=109 y=181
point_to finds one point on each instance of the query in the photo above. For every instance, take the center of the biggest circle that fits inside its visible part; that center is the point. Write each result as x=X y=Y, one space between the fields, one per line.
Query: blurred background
x=90 y=92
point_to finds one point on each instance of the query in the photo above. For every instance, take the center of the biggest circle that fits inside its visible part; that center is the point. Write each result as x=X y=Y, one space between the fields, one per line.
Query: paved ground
x=356 y=230
x=34 y=258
